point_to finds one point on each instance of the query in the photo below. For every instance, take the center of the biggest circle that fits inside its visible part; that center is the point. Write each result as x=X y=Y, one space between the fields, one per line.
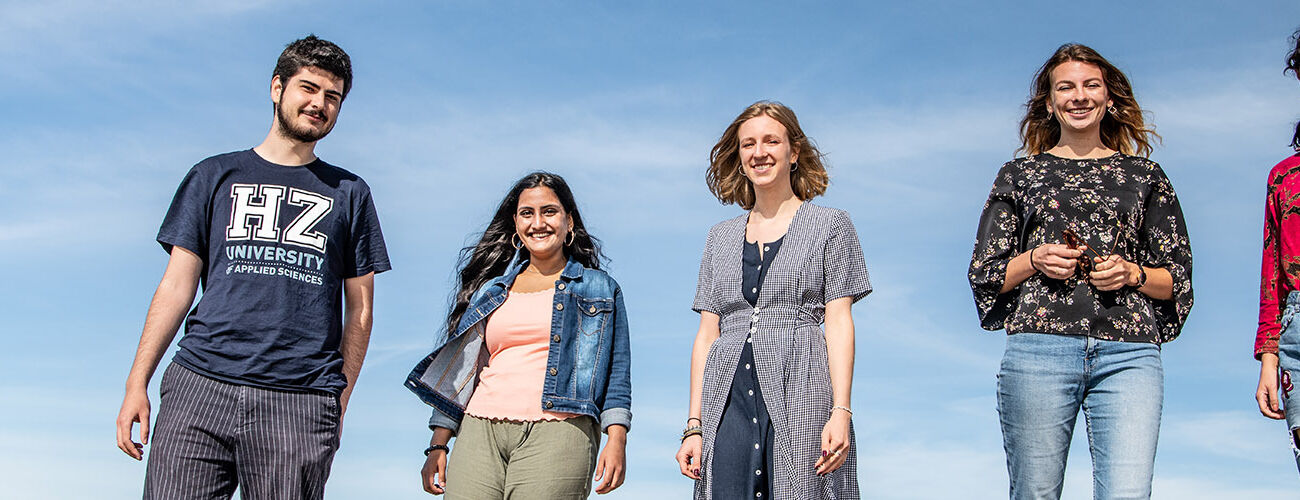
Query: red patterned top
x=1280 y=273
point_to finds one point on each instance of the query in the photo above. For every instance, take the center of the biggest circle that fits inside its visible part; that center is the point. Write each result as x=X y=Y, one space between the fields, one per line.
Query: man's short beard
x=304 y=135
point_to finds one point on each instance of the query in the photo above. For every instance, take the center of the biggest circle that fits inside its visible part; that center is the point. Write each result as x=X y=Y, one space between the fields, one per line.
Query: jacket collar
x=572 y=270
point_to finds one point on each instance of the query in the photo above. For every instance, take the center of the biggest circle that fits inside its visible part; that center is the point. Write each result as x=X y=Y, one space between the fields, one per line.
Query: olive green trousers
x=544 y=460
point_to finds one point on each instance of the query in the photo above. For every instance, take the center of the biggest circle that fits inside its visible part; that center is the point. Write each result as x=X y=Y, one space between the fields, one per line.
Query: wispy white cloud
x=109 y=190
x=36 y=27
x=1229 y=435
x=1208 y=488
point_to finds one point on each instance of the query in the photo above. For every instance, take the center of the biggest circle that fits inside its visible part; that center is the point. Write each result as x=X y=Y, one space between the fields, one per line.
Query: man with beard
x=286 y=248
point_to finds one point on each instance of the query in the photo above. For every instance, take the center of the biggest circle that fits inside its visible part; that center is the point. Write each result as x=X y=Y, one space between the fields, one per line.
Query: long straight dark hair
x=495 y=249
x=1293 y=65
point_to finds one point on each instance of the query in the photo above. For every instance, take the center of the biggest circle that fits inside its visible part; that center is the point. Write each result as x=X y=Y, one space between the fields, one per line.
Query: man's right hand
x=173 y=298
x=135 y=408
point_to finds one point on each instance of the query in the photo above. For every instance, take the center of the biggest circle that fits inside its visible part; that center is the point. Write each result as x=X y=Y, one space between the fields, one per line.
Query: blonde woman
x=770 y=413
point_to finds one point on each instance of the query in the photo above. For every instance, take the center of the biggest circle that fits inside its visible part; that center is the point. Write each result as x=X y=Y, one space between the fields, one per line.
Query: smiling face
x=765 y=151
x=542 y=223
x=307 y=106
x=1079 y=97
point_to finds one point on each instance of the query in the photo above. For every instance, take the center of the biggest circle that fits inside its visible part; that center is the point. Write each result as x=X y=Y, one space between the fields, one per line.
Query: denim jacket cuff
x=440 y=420
x=616 y=416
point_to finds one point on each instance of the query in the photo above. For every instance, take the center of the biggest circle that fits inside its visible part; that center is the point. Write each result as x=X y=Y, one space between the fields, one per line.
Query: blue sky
x=107 y=104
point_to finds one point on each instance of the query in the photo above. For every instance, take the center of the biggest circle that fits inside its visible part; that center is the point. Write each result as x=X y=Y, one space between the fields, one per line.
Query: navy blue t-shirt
x=277 y=242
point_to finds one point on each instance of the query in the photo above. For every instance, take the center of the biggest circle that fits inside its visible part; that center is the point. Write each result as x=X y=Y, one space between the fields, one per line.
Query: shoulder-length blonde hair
x=728 y=183
x=1123 y=130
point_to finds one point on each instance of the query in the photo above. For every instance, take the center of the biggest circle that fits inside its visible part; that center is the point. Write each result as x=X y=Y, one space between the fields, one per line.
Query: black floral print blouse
x=1121 y=205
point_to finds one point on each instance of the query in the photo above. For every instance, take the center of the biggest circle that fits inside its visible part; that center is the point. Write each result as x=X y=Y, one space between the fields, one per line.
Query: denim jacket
x=587 y=366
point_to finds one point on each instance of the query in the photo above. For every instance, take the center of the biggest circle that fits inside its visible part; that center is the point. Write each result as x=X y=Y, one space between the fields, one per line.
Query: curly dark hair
x=1293 y=66
x=489 y=258
x=314 y=52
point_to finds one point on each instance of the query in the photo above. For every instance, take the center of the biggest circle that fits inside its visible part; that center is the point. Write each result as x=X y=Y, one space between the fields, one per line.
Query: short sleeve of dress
x=186 y=223
x=705 y=297
x=845 y=269
x=996 y=241
x=1164 y=244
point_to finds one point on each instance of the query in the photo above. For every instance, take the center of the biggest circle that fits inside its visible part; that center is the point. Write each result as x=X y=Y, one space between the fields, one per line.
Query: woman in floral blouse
x=1082 y=256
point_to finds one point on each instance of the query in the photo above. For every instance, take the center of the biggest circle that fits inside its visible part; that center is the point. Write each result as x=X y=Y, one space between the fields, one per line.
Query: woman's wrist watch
x=1142 y=276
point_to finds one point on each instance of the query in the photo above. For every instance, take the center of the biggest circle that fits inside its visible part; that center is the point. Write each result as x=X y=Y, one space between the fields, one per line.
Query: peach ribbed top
x=518 y=339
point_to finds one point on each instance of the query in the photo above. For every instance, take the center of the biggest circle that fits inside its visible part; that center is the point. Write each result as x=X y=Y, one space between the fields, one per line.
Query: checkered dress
x=820 y=260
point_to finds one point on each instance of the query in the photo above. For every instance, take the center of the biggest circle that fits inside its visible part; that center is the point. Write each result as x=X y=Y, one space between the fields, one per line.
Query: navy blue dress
x=742 y=463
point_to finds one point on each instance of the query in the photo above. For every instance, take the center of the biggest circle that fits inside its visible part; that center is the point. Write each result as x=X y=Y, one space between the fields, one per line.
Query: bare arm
x=611 y=466
x=688 y=456
x=840 y=349
x=170 y=302
x=839 y=352
x=434 y=473
x=1160 y=284
x=710 y=330
x=1019 y=269
x=359 y=297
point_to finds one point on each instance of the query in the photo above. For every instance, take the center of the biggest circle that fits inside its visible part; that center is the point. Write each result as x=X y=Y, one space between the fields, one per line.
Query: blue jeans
x=1045 y=379
x=1288 y=354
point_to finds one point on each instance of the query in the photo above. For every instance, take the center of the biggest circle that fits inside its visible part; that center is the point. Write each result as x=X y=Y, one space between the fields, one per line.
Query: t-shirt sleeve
x=186 y=223
x=705 y=298
x=369 y=254
x=845 y=268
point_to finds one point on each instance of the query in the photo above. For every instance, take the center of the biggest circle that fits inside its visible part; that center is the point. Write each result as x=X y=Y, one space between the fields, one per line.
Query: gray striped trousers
x=213 y=436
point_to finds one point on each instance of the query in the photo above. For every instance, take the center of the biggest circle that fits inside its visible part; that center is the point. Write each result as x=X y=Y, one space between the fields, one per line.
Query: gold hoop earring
x=572 y=237
x=515 y=237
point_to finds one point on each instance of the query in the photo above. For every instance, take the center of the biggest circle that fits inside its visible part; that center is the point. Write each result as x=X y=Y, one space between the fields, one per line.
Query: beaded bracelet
x=845 y=408
x=693 y=430
x=433 y=447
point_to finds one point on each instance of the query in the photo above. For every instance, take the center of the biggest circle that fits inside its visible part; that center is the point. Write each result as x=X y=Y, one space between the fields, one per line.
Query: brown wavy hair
x=724 y=176
x=1125 y=130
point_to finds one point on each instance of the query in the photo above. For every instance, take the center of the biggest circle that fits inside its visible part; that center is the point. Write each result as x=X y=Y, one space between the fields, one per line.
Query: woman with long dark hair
x=1082 y=256
x=770 y=414
x=1277 y=341
x=536 y=361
